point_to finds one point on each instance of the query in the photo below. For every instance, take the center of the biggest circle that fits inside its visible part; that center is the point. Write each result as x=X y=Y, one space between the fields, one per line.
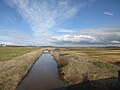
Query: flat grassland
x=7 y=53
x=102 y=54
x=98 y=65
x=15 y=63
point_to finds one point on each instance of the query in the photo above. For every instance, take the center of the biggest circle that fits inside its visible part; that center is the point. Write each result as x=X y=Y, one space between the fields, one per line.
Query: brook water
x=44 y=75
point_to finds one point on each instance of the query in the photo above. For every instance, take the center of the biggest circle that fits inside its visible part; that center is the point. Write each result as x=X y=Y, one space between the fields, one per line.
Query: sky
x=60 y=22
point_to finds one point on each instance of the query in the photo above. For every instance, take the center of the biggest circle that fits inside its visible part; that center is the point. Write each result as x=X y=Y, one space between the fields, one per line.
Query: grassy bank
x=13 y=70
x=98 y=65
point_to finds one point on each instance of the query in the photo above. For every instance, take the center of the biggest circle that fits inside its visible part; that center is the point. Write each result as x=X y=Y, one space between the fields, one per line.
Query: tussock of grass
x=12 y=71
x=60 y=58
x=75 y=71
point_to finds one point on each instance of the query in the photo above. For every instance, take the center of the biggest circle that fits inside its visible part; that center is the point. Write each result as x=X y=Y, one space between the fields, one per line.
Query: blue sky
x=59 y=22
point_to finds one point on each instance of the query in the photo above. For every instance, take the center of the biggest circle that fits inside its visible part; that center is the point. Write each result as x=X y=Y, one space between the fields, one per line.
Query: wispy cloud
x=42 y=15
x=108 y=13
x=14 y=33
x=15 y=37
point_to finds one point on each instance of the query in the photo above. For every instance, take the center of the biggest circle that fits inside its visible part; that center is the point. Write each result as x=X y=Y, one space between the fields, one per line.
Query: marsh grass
x=95 y=64
x=100 y=54
x=12 y=71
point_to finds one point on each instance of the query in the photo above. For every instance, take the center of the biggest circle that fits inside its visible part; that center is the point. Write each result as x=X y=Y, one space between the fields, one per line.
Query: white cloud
x=15 y=37
x=72 y=38
x=7 y=43
x=84 y=37
x=66 y=31
x=89 y=36
x=108 y=13
x=115 y=41
x=42 y=15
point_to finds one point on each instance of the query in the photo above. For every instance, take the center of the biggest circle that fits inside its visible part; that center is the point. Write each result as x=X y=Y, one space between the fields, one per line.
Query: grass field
x=15 y=63
x=77 y=65
x=7 y=53
x=99 y=65
x=102 y=54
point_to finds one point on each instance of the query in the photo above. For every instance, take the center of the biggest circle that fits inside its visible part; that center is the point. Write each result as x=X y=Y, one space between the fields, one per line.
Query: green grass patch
x=7 y=53
x=102 y=65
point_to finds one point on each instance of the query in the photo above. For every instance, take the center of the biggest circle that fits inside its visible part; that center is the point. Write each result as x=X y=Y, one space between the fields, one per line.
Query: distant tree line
x=5 y=45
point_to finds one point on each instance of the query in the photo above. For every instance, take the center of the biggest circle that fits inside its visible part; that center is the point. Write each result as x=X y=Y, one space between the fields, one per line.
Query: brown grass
x=73 y=71
x=12 y=71
x=100 y=54
x=75 y=75
x=98 y=65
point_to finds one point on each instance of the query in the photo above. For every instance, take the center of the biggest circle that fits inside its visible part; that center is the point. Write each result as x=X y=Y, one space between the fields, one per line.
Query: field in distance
x=101 y=54
x=7 y=53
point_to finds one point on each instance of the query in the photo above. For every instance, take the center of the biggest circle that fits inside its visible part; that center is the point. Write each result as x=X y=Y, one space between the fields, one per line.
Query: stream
x=44 y=75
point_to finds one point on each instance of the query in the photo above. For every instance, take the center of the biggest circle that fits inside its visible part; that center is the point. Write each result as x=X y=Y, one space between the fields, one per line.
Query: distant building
x=2 y=45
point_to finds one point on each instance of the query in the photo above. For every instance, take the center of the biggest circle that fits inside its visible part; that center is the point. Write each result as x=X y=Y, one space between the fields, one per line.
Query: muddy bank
x=43 y=75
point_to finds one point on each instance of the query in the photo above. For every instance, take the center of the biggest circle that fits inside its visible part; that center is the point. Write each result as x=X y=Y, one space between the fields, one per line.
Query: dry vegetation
x=98 y=65
x=13 y=70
